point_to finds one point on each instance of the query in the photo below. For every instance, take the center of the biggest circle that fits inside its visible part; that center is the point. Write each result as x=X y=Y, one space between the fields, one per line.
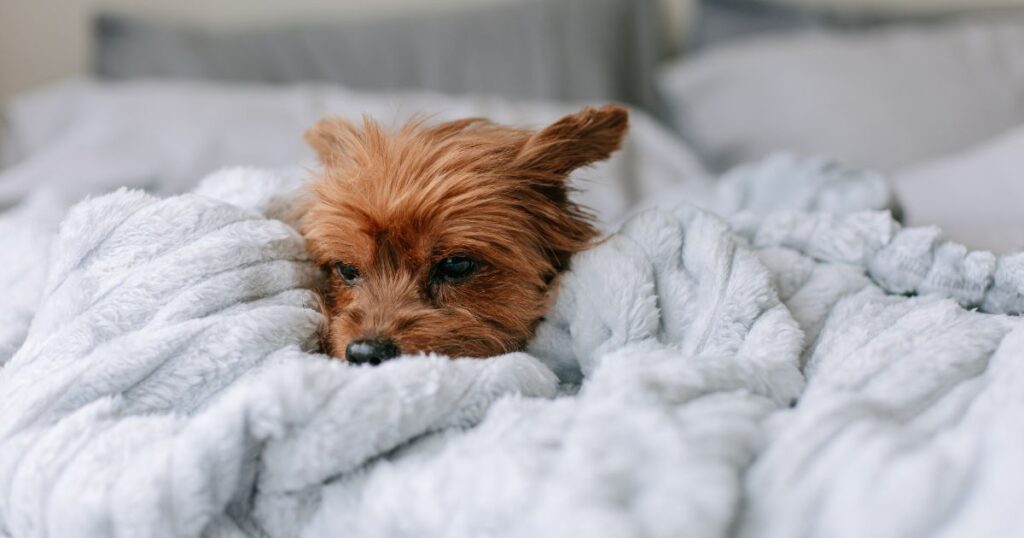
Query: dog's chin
x=473 y=329
x=452 y=344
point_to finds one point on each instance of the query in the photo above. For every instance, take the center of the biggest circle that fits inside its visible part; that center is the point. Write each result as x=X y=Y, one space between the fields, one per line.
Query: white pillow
x=882 y=98
x=89 y=137
x=976 y=197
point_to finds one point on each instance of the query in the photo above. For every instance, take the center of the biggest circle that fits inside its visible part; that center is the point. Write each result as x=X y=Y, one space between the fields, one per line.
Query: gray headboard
x=532 y=49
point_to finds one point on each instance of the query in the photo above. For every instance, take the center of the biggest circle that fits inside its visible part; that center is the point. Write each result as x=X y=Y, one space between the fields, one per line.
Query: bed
x=768 y=344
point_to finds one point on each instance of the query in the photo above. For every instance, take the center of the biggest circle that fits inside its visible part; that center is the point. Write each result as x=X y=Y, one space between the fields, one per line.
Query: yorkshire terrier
x=447 y=238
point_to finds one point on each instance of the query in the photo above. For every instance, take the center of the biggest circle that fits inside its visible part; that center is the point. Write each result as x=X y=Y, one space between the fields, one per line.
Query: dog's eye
x=346 y=272
x=454 y=268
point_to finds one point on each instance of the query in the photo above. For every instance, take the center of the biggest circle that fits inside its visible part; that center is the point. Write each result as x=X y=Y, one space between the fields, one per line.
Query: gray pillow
x=725 y=20
x=900 y=8
x=533 y=49
x=722 y=21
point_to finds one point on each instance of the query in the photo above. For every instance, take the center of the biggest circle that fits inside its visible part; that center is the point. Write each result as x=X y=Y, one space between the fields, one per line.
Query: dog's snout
x=371 y=352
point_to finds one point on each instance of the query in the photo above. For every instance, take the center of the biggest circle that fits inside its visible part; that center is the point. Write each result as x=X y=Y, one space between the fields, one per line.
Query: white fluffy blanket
x=697 y=377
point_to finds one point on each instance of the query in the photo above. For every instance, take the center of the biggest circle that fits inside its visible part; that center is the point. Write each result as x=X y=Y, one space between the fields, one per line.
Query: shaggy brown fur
x=390 y=207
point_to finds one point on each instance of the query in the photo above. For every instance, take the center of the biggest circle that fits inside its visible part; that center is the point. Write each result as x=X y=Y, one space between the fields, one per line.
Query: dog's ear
x=332 y=139
x=586 y=137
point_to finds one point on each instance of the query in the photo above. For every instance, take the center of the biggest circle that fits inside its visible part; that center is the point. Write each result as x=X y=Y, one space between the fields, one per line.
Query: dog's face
x=447 y=238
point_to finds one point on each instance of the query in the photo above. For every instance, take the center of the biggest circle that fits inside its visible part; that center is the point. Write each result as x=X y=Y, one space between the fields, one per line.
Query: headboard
x=44 y=41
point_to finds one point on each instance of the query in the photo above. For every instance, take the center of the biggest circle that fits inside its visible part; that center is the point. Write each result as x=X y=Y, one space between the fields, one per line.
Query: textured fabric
x=905 y=425
x=805 y=184
x=537 y=49
x=753 y=376
x=164 y=369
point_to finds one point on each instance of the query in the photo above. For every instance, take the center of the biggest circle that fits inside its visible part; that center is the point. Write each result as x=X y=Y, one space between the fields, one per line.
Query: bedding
x=89 y=137
x=798 y=365
x=753 y=375
x=974 y=195
x=882 y=98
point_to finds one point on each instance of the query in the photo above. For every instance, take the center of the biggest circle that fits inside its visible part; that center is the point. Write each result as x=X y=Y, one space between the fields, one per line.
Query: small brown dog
x=447 y=238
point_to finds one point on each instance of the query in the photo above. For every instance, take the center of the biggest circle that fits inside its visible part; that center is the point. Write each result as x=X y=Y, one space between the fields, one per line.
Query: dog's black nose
x=371 y=352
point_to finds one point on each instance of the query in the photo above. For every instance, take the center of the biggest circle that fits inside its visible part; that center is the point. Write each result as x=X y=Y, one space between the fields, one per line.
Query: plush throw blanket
x=788 y=374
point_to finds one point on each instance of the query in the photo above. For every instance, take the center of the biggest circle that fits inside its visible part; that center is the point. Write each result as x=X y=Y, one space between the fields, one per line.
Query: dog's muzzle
x=372 y=352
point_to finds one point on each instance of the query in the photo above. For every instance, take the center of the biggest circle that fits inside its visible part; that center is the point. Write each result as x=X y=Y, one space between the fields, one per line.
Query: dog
x=447 y=238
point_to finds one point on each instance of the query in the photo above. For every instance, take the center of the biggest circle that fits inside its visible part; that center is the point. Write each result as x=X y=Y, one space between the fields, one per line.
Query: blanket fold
x=764 y=374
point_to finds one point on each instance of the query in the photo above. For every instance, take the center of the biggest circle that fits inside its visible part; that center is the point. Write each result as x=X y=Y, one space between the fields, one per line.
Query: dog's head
x=447 y=238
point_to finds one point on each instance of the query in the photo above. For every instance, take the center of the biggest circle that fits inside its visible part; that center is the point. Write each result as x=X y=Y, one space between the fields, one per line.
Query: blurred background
x=157 y=93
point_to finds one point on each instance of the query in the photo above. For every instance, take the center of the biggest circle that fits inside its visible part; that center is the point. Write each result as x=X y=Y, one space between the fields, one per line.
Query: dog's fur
x=393 y=204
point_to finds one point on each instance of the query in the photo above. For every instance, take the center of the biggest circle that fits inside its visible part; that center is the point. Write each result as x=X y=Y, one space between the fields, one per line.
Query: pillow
x=536 y=49
x=973 y=196
x=883 y=98
x=88 y=137
x=727 y=20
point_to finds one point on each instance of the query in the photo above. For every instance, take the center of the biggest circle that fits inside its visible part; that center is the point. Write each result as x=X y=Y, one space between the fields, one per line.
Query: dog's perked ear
x=332 y=139
x=586 y=137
